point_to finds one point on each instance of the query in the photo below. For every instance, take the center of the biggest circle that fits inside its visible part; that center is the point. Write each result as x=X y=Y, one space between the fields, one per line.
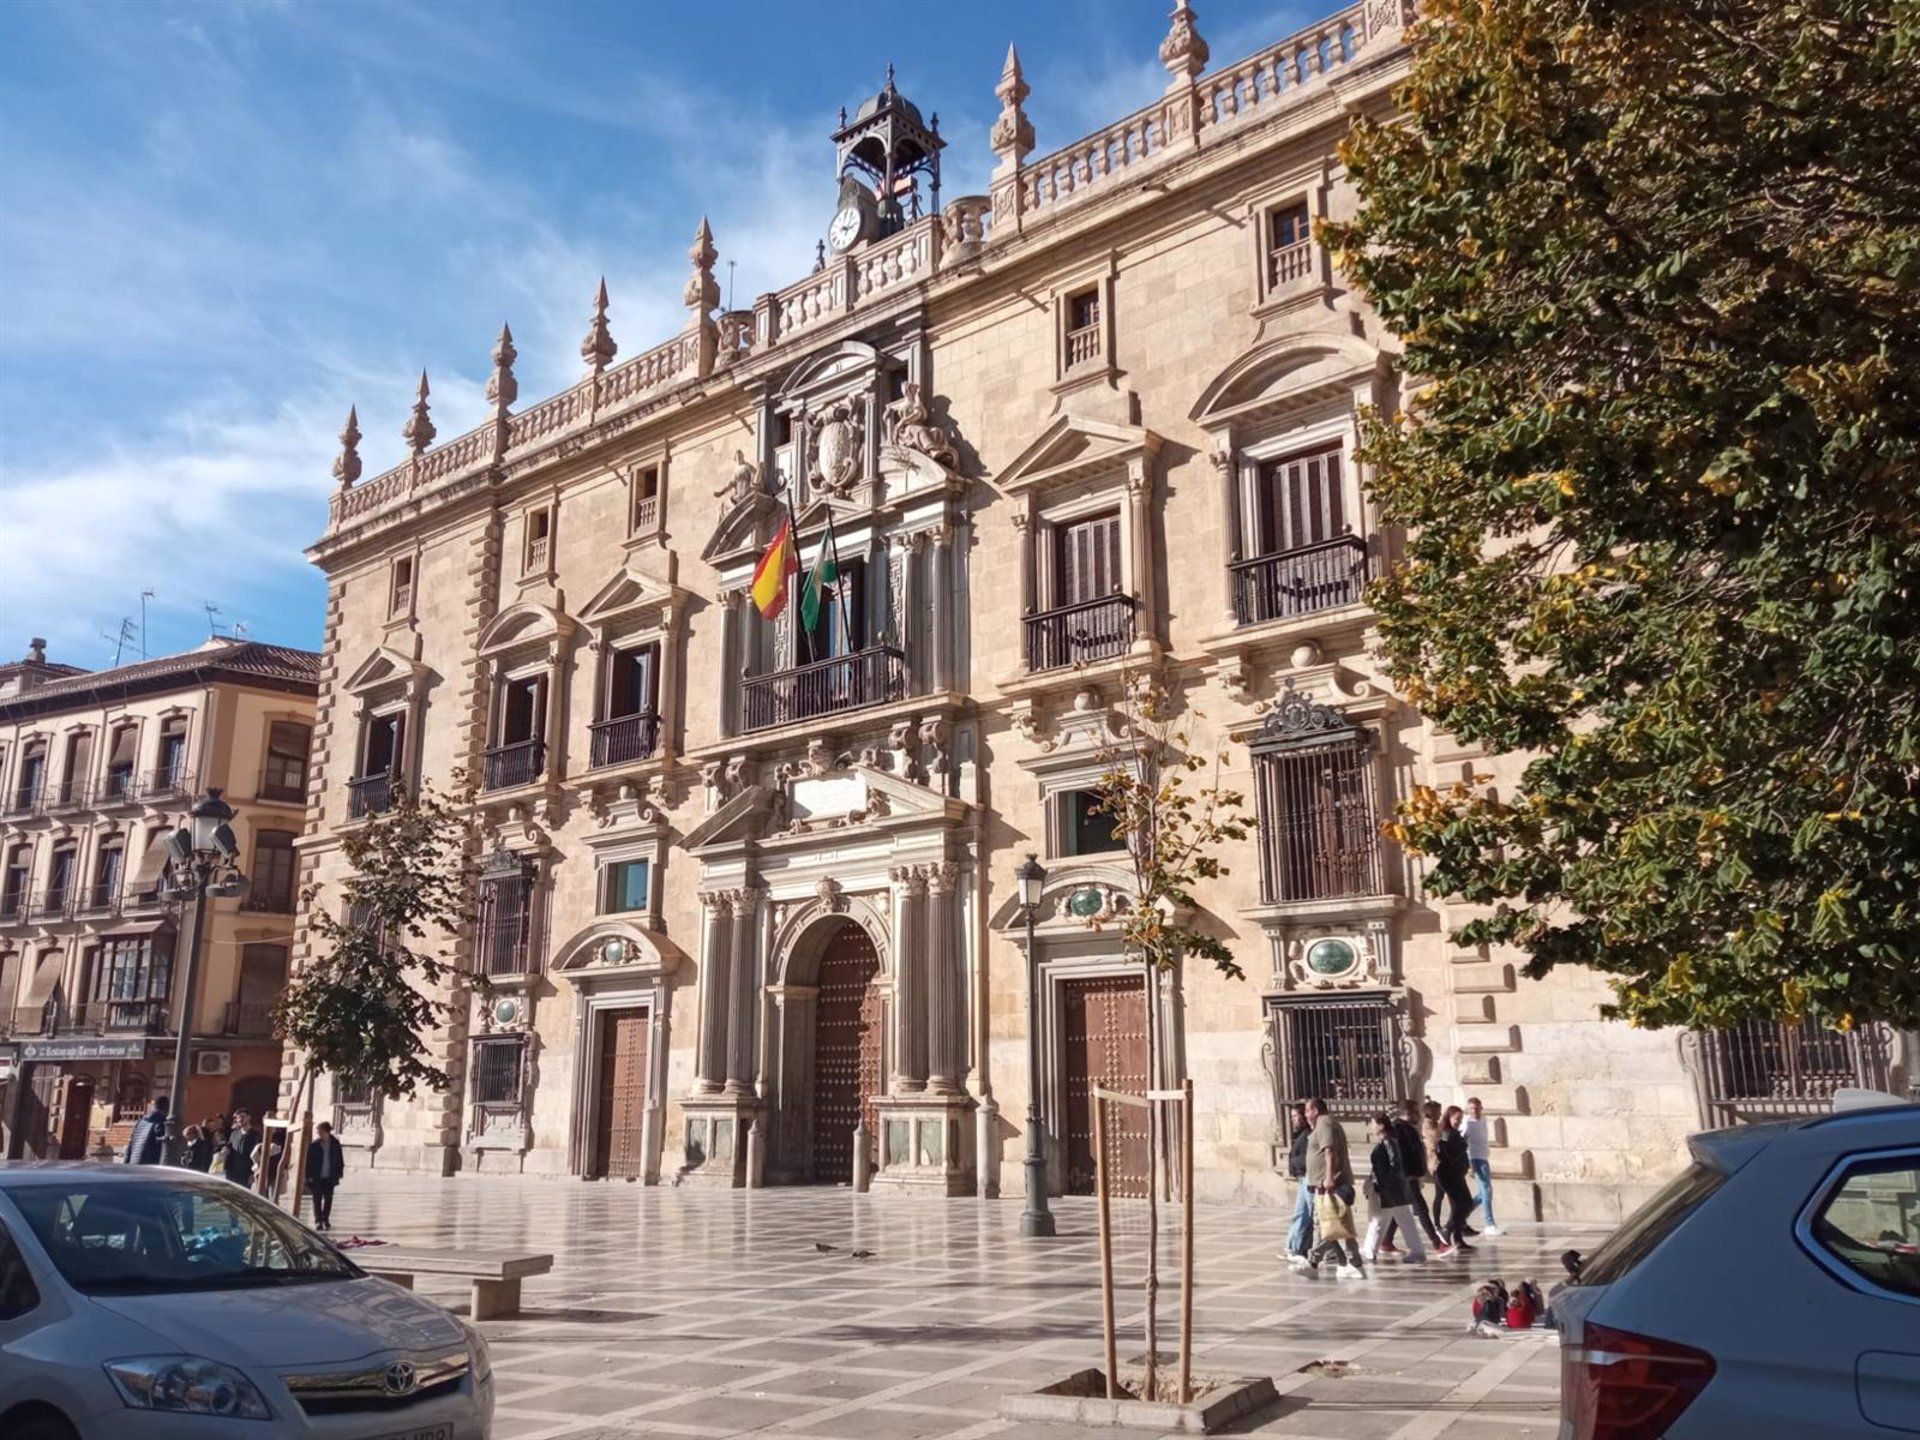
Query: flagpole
x=793 y=526
x=840 y=578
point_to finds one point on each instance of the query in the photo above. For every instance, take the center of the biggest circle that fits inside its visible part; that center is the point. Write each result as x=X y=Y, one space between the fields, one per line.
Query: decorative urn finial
x=418 y=432
x=502 y=388
x=702 y=293
x=1012 y=135
x=1183 y=52
x=598 y=348
x=346 y=465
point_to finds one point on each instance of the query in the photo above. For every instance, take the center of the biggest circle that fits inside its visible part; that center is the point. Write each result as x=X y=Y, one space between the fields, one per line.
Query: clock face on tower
x=845 y=229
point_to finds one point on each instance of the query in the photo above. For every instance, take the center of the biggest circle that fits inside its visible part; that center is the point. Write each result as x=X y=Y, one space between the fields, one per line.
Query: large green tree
x=1658 y=267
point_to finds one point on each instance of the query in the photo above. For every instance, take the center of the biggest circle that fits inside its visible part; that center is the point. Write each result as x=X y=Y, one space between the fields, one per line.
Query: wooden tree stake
x=1106 y=1242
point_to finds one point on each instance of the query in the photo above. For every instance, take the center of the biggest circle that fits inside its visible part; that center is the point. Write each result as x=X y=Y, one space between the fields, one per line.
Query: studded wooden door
x=620 y=1117
x=1105 y=1044
x=846 y=1052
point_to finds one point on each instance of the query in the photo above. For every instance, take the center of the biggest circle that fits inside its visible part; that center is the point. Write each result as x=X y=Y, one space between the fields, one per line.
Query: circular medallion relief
x=1331 y=957
x=506 y=1010
x=1086 y=902
x=613 y=950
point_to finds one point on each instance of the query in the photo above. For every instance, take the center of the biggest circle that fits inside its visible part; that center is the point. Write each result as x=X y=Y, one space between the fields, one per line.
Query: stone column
x=731 y=661
x=1139 y=538
x=715 y=961
x=1232 y=530
x=946 y=1006
x=908 y=604
x=942 y=642
x=743 y=998
x=909 y=982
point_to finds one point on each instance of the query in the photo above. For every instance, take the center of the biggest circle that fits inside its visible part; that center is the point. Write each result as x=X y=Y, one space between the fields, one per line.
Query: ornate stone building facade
x=747 y=895
x=95 y=768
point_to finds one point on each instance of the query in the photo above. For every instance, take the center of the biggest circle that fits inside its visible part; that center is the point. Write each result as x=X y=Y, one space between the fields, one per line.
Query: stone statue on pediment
x=744 y=481
x=911 y=426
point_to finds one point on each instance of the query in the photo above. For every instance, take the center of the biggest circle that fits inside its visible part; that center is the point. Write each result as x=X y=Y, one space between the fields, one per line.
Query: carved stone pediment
x=631 y=594
x=1074 y=449
x=385 y=667
x=611 y=950
x=1291 y=372
x=747 y=525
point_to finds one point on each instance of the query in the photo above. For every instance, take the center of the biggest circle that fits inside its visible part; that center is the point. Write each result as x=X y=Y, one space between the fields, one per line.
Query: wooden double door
x=1104 y=1035
x=846 y=1051
x=620 y=1111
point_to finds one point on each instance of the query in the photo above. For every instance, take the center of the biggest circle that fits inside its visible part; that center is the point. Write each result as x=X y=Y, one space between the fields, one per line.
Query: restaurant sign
x=38 y=1052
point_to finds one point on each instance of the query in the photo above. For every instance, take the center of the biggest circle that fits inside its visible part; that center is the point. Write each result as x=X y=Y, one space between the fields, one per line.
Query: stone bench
x=496 y=1274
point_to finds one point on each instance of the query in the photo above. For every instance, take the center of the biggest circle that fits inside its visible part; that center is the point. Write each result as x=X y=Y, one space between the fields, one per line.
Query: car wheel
x=38 y=1424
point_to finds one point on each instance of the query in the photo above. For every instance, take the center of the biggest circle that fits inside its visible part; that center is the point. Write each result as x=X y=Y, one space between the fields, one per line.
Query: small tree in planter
x=1168 y=804
x=354 y=1011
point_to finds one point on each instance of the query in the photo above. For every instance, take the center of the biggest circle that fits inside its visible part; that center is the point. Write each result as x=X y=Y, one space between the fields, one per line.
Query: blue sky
x=222 y=222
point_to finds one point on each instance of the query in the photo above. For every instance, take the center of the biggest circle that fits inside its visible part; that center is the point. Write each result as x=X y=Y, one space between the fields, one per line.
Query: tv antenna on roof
x=145 y=595
x=119 y=642
x=213 y=625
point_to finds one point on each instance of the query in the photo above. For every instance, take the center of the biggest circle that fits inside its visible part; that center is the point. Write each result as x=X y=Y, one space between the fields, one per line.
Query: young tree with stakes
x=358 y=1010
x=1174 y=816
x=1657 y=267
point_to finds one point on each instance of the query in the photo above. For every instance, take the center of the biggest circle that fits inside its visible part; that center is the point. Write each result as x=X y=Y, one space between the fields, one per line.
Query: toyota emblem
x=400 y=1378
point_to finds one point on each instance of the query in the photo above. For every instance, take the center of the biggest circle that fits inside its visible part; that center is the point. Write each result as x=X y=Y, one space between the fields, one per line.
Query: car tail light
x=1615 y=1385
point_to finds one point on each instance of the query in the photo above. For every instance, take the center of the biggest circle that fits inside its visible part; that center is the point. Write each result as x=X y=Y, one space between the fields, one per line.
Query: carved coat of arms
x=836 y=450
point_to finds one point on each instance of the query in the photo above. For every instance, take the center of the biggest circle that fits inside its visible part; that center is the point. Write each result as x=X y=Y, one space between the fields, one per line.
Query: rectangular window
x=1082 y=338
x=136 y=975
x=1089 y=616
x=13 y=893
x=1319 y=821
x=120 y=764
x=273 y=872
x=630 y=681
x=646 y=499
x=539 y=534
x=1765 y=1068
x=497 y=1069
x=381 y=750
x=1289 y=244
x=33 y=778
x=286 y=774
x=400 y=595
x=626 y=886
x=842 y=624
x=518 y=754
x=1346 y=1051
x=1085 y=827
x=1088 y=558
x=60 y=876
x=506 y=922
x=72 y=789
x=171 y=773
x=106 y=877
x=1302 y=501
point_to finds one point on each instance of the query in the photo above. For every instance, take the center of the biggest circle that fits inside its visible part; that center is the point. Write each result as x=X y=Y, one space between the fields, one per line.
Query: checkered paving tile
x=819 y=1313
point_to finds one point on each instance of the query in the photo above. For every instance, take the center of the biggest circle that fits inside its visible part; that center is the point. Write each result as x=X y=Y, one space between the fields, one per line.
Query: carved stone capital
x=910 y=880
x=942 y=877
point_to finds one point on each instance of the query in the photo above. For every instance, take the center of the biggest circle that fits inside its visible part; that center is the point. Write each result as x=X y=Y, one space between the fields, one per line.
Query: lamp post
x=1036 y=1219
x=202 y=854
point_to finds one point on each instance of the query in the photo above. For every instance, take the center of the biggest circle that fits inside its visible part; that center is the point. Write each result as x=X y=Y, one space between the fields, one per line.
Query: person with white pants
x=1392 y=1197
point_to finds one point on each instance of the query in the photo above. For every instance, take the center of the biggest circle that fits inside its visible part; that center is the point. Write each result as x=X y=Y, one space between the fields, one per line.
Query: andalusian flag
x=826 y=570
x=781 y=561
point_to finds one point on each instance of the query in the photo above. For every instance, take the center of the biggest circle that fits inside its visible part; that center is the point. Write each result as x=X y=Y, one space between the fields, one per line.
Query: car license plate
x=425 y=1432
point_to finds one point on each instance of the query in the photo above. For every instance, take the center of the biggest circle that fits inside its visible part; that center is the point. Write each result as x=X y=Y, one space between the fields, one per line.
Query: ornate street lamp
x=203 y=859
x=1036 y=1219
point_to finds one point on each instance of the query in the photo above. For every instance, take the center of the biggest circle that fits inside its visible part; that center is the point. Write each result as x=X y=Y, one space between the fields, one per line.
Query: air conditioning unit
x=212 y=1062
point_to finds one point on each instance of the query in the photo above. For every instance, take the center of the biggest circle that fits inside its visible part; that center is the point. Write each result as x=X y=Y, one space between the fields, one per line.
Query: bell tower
x=885 y=150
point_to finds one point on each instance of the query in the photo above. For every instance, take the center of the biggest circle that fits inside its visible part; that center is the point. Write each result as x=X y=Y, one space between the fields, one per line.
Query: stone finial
x=346 y=465
x=418 y=432
x=502 y=388
x=1183 y=52
x=598 y=348
x=1012 y=136
x=703 y=292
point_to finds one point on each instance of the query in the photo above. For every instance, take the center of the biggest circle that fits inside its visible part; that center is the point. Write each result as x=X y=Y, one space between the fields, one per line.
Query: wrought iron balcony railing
x=371 y=794
x=1315 y=577
x=166 y=783
x=52 y=904
x=248 y=1019
x=99 y=1017
x=624 y=739
x=117 y=788
x=23 y=800
x=66 y=795
x=1077 y=633
x=871 y=676
x=520 y=763
x=100 y=899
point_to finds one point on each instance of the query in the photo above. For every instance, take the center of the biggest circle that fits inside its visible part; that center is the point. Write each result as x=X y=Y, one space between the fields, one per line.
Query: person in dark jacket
x=148 y=1143
x=1413 y=1156
x=324 y=1165
x=236 y=1160
x=1300 y=1232
x=1392 y=1195
x=1450 y=1172
x=196 y=1149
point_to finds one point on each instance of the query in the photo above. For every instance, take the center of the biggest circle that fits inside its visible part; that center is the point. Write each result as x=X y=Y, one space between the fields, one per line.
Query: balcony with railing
x=98 y=899
x=278 y=901
x=51 y=905
x=168 y=782
x=872 y=676
x=1079 y=633
x=1083 y=346
x=118 y=787
x=646 y=513
x=248 y=1020
x=23 y=800
x=102 y=1017
x=371 y=794
x=520 y=763
x=69 y=794
x=1288 y=263
x=1323 y=576
x=624 y=739
x=13 y=907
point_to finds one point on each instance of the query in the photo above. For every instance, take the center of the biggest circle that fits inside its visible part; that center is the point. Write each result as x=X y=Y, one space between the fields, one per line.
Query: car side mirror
x=1570 y=1261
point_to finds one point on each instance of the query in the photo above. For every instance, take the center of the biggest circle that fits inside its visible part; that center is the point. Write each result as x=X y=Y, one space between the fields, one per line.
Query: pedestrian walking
x=1430 y=1143
x=148 y=1143
x=1480 y=1162
x=1413 y=1156
x=1392 y=1196
x=1300 y=1229
x=196 y=1149
x=1330 y=1174
x=1450 y=1171
x=236 y=1159
x=325 y=1162
x=212 y=1129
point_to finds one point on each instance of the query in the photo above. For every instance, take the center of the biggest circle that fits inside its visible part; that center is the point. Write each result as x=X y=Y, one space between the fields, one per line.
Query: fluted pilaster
x=716 y=965
x=946 y=1004
x=743 y=994
x=910 y=981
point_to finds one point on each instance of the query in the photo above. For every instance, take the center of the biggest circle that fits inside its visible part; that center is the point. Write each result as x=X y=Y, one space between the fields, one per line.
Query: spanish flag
x=781 y=561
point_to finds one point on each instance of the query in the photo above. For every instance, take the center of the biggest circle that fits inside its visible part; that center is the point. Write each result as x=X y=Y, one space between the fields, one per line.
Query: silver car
x=1770 y=1292
x=140 y=1303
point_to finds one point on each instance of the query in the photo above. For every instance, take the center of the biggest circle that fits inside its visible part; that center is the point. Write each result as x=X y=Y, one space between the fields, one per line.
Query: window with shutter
x=1301 y=501
x=1089 y=558
x=1319 y=822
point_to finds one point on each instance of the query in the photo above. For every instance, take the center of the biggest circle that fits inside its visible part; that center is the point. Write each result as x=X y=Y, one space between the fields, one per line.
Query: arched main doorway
x=847 y=1025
